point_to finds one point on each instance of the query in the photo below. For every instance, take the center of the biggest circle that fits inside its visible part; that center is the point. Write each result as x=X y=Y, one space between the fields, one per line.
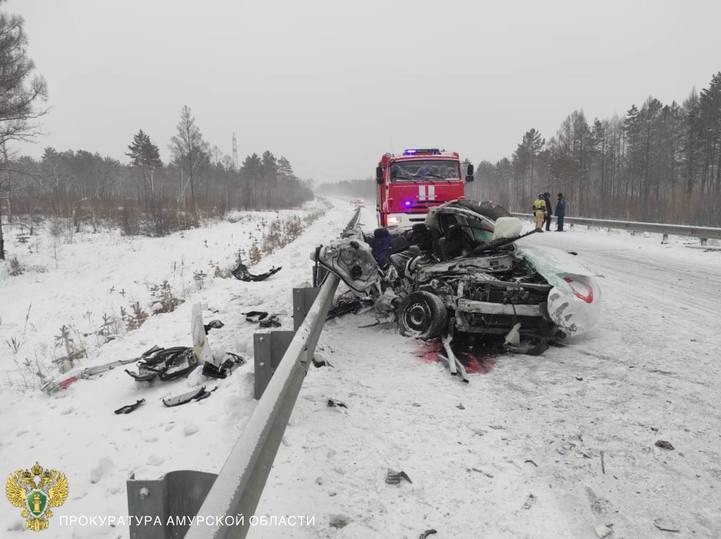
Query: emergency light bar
x=422 y=151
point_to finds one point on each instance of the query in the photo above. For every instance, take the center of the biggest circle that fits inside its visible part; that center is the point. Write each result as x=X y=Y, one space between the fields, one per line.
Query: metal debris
x=394 y=478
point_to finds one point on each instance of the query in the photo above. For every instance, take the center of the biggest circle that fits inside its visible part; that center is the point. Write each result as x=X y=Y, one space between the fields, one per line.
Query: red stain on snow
x=428 y=351
x=475 y=363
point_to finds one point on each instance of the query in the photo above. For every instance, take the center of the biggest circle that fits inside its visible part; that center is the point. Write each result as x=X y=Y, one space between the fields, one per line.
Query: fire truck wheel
x=423 y=315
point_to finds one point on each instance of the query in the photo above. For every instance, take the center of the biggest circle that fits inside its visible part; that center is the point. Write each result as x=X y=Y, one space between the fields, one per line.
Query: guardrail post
x=303 y=298
x=268 y=350
x=664 y=239
x=177 y=495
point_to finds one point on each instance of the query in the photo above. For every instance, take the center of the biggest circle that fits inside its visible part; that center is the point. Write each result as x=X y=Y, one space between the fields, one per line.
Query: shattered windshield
x=425 y=170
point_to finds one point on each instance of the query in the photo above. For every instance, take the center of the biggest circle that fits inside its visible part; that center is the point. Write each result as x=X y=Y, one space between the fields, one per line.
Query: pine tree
x=285 y=170
x=145 y=156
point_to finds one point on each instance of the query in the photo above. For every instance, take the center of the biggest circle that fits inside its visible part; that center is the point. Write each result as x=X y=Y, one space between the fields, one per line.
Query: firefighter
x=539 y=212
x=560 y=212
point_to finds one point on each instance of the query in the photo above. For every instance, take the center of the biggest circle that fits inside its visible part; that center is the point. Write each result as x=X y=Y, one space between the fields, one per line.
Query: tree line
x=145 y=195
x=660 y=162
x=142 y=194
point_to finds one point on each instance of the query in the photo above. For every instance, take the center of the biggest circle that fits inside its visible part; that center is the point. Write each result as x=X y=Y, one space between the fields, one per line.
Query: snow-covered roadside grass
x=93 y=284
x=75 y=430
x=518 y=451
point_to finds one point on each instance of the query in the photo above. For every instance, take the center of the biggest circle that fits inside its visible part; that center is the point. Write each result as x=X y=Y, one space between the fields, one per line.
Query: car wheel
x=423 y=315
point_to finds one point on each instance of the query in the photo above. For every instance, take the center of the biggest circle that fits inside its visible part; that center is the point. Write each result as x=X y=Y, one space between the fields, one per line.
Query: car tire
x=422 y=315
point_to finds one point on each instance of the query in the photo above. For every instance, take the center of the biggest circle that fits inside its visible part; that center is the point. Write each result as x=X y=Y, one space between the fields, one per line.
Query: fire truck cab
x=408 y=185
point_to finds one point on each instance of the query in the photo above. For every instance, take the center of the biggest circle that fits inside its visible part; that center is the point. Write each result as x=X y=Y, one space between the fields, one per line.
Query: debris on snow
x=320 y=361
x=529 y=501
x=129 y=407
x=394 y=478
x=213 y=324
x=262 y=319
x=226 y=367
x=488 y=475
x=667 y=525
x=663 y=444
x=242 y=274
x=426 y=533
x=165 y=364
x=338 y=521
x=184 y=398
x=333 y=403
x=52 y=385
x=345 y=304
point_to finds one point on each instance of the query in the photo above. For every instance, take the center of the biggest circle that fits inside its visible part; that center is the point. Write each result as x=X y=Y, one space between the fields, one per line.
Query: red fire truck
x=412 y=183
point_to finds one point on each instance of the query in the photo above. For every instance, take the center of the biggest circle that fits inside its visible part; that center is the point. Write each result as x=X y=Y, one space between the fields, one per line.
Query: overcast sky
x=334 y=84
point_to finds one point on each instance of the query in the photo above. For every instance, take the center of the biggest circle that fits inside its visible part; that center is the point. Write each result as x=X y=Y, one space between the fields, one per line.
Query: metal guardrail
x=236 y=490
x=704 y=233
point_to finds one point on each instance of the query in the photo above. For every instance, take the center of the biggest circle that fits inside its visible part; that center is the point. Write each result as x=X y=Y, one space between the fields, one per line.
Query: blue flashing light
x=407 y=203
x=423 y=151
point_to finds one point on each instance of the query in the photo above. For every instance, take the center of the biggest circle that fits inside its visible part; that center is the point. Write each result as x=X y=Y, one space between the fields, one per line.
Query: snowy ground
x=515 y=453
x=76 y=431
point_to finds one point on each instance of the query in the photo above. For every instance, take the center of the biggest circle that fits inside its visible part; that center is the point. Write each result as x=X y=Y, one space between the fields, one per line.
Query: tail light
x=581 y=290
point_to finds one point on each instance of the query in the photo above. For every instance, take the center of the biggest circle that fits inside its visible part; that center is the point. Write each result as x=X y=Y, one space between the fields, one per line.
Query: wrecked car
x=464 y=272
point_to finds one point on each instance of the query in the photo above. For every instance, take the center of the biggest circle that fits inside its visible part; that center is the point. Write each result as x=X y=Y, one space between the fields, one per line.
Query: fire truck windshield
x=424 y=170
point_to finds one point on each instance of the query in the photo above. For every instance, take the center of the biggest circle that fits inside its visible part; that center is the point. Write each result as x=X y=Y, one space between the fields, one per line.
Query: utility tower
x=235 y=152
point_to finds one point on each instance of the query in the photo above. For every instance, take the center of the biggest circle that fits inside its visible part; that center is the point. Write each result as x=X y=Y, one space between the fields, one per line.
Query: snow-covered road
x=518 y=451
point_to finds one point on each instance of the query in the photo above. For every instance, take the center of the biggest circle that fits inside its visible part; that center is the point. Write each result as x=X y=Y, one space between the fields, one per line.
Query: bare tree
x=189 y=151
x=21 y=93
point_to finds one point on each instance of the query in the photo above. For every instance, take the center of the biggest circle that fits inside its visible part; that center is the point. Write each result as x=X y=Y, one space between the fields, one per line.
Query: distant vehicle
x=359 y=203
x=408 y=185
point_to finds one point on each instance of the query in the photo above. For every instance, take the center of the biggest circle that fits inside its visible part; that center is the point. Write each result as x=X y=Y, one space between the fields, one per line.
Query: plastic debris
x=183 y=398
x=165 y=364
x=241 y=273
x=319 y=361
x=213 y=324
x=225 y=369
x=129 y=407
x=262 y=319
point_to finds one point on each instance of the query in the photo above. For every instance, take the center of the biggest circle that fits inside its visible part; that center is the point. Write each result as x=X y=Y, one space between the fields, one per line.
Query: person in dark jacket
x=549 y=209
x=560 y=212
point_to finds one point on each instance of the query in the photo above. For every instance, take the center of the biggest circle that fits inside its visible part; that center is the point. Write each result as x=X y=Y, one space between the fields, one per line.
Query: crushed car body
x=463 y=271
